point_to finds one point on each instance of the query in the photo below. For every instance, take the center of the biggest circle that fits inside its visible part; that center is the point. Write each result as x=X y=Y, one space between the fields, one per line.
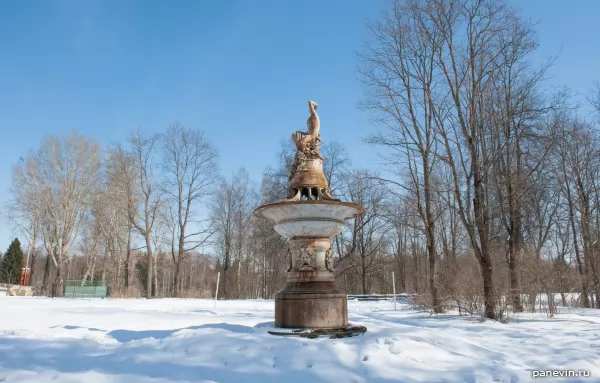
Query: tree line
x=489 y=197
x=492 y=163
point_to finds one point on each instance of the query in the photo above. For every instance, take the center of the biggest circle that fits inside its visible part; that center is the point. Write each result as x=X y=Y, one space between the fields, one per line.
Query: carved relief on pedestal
x=329 y=260
x=305 y=260
x=289 y=255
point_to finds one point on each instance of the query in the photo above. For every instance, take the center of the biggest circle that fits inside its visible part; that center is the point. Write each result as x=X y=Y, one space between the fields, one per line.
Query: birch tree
x=56 y=182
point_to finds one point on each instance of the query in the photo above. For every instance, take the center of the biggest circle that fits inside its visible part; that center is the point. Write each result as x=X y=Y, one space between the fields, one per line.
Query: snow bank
x=172 y=340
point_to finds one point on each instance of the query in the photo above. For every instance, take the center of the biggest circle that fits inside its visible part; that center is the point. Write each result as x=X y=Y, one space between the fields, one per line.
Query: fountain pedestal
x=311 y=305
x=309 y=217
x=310 y=299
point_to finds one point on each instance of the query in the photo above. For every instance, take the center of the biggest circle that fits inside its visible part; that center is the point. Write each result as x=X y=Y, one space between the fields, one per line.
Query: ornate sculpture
x=329 y=260
x=313 y=123
x=308 y=143
x=307 y=180
x=306 y=259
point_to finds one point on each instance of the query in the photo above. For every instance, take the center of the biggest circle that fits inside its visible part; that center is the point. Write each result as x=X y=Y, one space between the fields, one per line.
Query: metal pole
x=394 y=289
x=217 y=289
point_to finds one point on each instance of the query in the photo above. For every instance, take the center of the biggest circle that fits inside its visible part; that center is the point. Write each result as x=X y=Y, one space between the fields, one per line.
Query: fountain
x=309 y=217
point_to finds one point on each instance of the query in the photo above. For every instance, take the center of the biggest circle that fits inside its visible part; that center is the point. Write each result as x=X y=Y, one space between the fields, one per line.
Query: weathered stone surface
x=321 y=219
x=311 y=305
x=309 y=173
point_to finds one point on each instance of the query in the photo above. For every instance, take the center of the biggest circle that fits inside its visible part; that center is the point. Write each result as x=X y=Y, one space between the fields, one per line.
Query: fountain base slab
x=331 y=333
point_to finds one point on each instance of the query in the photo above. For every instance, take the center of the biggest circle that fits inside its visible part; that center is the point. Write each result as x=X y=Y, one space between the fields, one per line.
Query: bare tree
x=223 y=212
x=144 y=217
x=366 y=246
x=580 y=172
x=190 y=165
x=432 y=73
x=399 y=71
x=516 y=108
x=335 y=165
x=232 y=209
x=473 y=49
x=397 y=215
x=268 y=244
x=109 y=228
x=594 y=99
x=56 y=182
x=90 y=247
x=122 y=179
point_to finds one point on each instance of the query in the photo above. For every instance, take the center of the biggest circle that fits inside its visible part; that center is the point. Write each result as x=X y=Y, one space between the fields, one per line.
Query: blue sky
x=242 y=71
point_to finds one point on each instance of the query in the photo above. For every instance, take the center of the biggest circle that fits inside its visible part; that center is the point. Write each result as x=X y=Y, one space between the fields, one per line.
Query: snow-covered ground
x=170 y=340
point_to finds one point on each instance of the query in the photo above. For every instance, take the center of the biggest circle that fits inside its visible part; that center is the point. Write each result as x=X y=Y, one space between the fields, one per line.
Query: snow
x=178 y=340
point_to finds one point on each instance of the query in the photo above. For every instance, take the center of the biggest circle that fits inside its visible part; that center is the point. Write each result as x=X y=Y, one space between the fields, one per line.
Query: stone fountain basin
x=320 y=219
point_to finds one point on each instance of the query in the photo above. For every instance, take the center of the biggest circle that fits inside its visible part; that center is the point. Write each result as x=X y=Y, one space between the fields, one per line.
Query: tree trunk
x=89 y=270
x=118 y=280
x=482 y=220
x=580 y=267
x=128 y=265
x=58 y=280
x=363 y=274
x=226 y=269
x=587 y=239
x=401 y=265
x=155 y=273
x=488 y=288
x=264 y=271
x=176 y=278
x=180 y=254
x=513 y=268
x=46 y=284
x=150 y=267
x=33 y=257
x=514 y=246
x=239 y=279
x=31 y=267
x=431 y=245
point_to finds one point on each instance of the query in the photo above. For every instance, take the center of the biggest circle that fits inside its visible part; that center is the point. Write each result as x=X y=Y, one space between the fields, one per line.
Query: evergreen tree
x=12 y=263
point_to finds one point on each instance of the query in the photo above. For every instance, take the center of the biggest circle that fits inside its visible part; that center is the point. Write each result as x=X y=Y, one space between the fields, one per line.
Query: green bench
x=86 y=291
